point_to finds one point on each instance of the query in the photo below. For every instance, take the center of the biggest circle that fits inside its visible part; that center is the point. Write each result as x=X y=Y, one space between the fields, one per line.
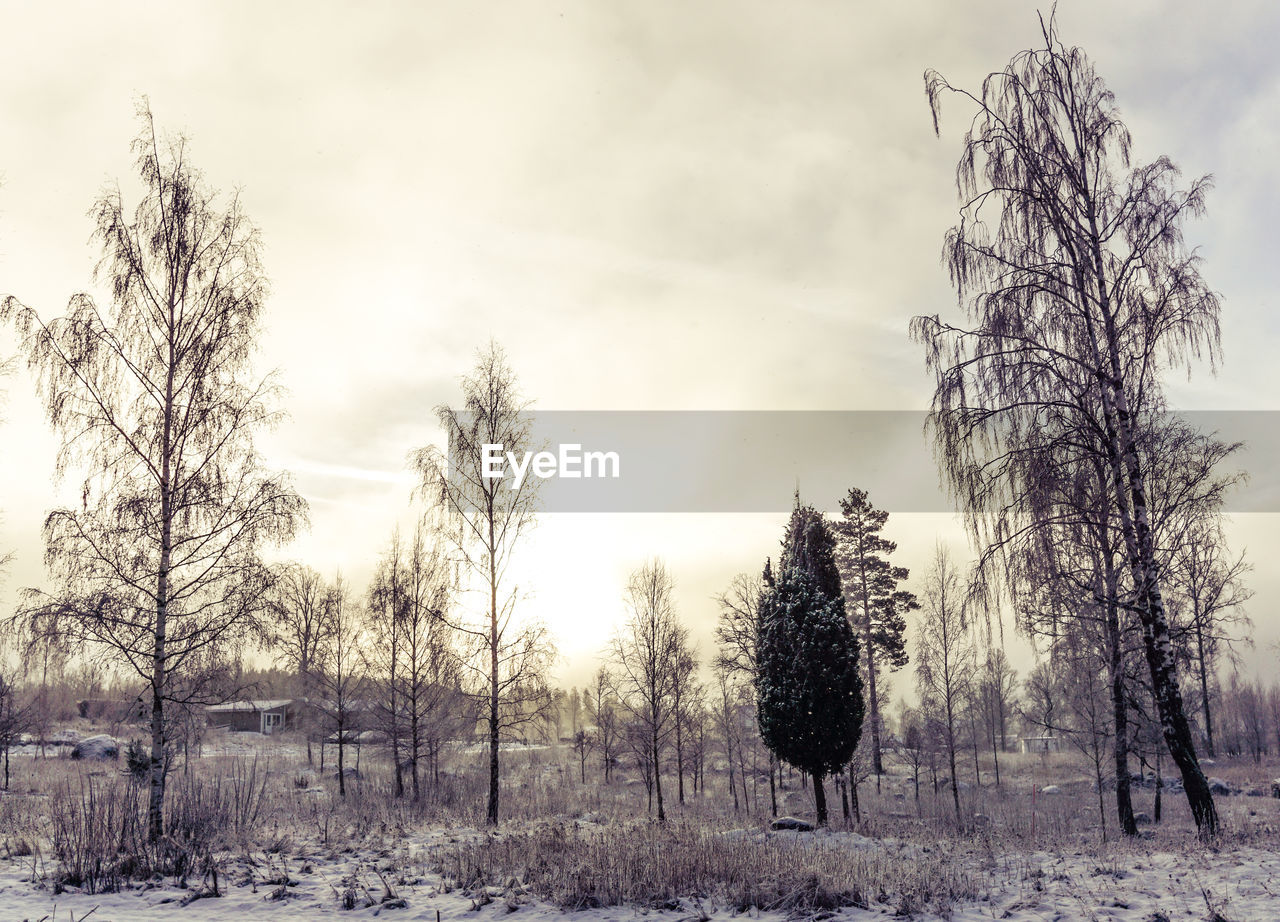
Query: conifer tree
x=808 y=688
x=876 y=604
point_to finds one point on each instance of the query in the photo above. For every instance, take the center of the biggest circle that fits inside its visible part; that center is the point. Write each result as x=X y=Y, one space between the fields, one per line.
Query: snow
x=1125 y=883
x=1166 y=874
x=101 y=748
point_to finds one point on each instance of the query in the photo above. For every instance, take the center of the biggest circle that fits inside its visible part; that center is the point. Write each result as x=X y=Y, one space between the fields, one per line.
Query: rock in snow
x=1220 y=788
x=100 y=748
x=791 y=822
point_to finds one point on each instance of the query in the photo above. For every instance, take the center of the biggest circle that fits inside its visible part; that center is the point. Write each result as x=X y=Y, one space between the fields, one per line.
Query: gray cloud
x=720 y=205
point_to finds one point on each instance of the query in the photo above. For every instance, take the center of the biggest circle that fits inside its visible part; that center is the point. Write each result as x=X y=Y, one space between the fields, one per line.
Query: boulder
x=1275 y=787
x=791 y=822
x=101 y=748
x=1220 y=788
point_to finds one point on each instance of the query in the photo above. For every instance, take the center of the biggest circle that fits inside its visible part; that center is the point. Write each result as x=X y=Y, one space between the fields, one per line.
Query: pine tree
x=808 y=687
x=876 y=604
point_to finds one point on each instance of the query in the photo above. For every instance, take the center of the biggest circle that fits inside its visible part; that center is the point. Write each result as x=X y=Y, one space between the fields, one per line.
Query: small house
x=264 y=716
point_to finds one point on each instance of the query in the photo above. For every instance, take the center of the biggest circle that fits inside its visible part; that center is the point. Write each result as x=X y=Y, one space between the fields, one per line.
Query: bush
x=137 y=761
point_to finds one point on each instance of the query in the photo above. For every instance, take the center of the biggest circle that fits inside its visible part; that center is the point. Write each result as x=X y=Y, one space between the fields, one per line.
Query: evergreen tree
x=808 y=688
x=876 y=604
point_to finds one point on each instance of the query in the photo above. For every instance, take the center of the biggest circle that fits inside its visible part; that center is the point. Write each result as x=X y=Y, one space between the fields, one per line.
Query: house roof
x=235 y=707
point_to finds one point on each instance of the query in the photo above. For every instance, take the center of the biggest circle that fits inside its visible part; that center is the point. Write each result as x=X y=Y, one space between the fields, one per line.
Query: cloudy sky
x=651 y=205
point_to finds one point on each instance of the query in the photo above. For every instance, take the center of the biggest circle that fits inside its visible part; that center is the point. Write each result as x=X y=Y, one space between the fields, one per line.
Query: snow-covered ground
x=1127 y=883
x=393 y=871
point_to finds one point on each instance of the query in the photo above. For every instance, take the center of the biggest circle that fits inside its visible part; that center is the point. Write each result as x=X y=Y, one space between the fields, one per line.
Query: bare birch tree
x=300 y=625
x=339 y=673
x=157 y=410
x=647 y=653
x=1079 y=293
x=944 y=658
x=738 y=642
x=1209 y=582
x=15 y=717
x=429 y=677
x=488 y=517
x=685 y=696
x=384 y=656
x=603 y=709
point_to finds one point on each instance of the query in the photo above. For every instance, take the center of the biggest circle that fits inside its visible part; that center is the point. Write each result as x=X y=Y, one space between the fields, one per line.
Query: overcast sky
x=650 y=205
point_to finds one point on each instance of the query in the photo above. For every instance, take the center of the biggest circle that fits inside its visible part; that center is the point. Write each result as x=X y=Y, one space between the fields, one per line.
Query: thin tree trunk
x=1124 y=797
x=657 y=779
x=877 y=763
x=679 y=759
x=155 y=803
x=1136 y=528
x=1097 y=773
x=342 y=774
x=955 y=782
x=415 y=744
x=1204 y=687
x=819 y=799
x=159 y=663
x=732 y=787
x=494 y=726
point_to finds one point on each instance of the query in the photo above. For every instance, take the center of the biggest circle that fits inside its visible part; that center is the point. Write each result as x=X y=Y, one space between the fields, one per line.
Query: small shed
x=263 y=716
x=1041 y=744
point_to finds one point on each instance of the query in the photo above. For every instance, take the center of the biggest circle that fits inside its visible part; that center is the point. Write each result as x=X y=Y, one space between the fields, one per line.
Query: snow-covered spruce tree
x=808 y=688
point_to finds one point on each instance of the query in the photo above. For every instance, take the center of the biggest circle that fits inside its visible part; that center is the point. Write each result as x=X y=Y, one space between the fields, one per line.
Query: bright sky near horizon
x=721 y=205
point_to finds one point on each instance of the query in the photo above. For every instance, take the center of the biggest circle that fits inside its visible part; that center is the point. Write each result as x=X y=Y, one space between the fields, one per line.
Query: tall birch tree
x=1079 y=292
x=154 y=398
x=487 y=518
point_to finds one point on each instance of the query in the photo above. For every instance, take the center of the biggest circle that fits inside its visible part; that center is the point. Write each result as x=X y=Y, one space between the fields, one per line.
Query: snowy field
x=587 y=851
x=1133 y=884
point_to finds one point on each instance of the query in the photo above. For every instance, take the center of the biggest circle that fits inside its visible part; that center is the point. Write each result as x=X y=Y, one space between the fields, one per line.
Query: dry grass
x=98 y=828
x=591 y=844
x=642 y=864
